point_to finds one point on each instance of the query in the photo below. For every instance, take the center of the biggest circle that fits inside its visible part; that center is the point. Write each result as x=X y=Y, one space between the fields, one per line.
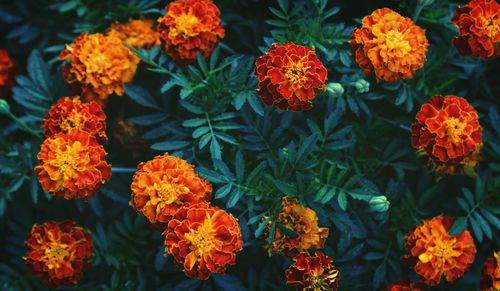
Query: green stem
x=122 y=170
x=23 y=125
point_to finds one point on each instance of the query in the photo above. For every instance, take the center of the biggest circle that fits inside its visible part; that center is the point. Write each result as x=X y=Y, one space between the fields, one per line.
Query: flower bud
x=335 y=89
x=379 y=204
x=4 y=107
x=362 y=86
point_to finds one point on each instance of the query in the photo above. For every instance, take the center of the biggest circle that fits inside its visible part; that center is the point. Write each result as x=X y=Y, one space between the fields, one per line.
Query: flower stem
x=23 y=125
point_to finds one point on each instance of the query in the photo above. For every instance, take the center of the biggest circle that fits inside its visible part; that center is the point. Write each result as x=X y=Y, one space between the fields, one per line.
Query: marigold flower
x=68 y=113
x=490 y=276
x=448 y=132
x=163 y=185
x=7 y=74
x=406 y=286
x=301 y=220
x=437 y=253
x=203 y=239
x=58 y=252
x=72 y=165
x=479 y=25
x=190 y=27
x=315 y=273
x=98 y=66
x=138 y=33
x=389 y=45
x=290 y=76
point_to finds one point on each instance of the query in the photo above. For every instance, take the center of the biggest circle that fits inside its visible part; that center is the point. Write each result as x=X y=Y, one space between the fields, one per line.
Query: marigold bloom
x=68 y=113
x=437 y=253
x=315 y=273
x=58 y=252
x=304 y=222
x=479 y=25
x=138 y=33
x=190 y=27
x=203 y=239
x=406 y=286
x=389 y=45
x=290 y=76
x=447 y=131
x=490 y=276
x=7 y=74
x=72 y=165
x=163 y=185
x=98 y=66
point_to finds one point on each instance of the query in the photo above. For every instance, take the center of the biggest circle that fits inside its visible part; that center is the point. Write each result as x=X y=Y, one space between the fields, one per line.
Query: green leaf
x=342 y=200
x=379 y=276
x=170 y=145
x=141 y=96
x=285 y=188
x=37 y=70
x=458 y=226
x=261 y=227
x=195 y=122
x=215 y=150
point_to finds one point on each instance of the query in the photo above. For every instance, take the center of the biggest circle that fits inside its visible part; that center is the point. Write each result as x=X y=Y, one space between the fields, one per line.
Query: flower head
x=72 y=165
x=479 y=25
x=68 y=113
x=490 y=276
x=203 y=239
x=447 y=131
x=8 y=71
x=406 y=286
x=190 y=27
x=290 y=76
x=303 y=222
x=98 y=66
x=315 y=273
x=138 y=33
x=437 y=253
x=389 y=45
x=58 y=252
x=163 y=185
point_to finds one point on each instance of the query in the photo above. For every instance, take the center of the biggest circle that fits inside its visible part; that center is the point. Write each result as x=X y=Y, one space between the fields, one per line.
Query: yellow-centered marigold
x=138 y=33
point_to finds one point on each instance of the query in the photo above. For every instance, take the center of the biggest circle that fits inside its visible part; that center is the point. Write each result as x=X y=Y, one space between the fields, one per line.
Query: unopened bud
x=362 y=86
x=4 y=106
x=335 y=89
x=379 y=204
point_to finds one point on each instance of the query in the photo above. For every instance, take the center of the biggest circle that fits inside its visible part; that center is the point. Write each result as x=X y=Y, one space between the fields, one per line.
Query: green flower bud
x=362 y=86
x=4 y=106
x=379 y=204
x=334 y=89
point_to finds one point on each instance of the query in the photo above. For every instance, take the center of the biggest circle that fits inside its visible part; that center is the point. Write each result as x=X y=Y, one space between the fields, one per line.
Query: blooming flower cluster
x=313 y=273
x=137 y=33
x=58 y=252
x=7 y=74
x=406 y=286
x=490 y=276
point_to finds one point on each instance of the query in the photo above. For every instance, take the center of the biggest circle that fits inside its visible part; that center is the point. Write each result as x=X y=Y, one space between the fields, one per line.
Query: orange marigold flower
x=313 y=273
x=58 y=252
x=203 y=239
x=138 y=33
x=289 y=76
x=479 y=25
x=98 y=66
x=163 y=185
x=437 y=253
x=447 y=132
x=7 y=74
x=389 y=45
x=68 y=113
x=406 y=286
x=301 y=220
x=72 y=165
x=190 y=27
x=490 y=276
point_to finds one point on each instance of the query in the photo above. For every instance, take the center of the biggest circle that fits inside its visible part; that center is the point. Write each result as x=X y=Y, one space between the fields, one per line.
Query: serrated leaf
x=458 y=226
x=37 y=70
x=141 y=96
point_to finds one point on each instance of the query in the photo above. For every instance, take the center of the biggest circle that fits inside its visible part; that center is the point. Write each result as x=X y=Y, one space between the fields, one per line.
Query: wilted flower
x=68 y=113
x=137 y=33
x=389 y=45
x=98 y=66
x=479 y=25
x=406 y=286
x=163 y=185
x=203 y=240
x=72 y=165
x=490 y=276
x=289 y=76
x=190 y=27
x=436 y=253
x=315 y=273
x=301 y=221
x=58 y=252
x=7 y=74
x=448 y=132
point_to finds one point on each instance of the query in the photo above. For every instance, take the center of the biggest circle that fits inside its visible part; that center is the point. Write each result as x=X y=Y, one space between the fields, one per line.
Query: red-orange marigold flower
x=58 y=252
x=389 y=45
x=479 y=25
x=290 y=76
x=490 y=276
x=163 y=185
x=7 y=74
x=98 y=66
x=448 y=132
x=406 y=286
x=138 y=33
x=203 y=240
x=315 y=273
x=301 y=220
x=72 y=165
x=190 y=27
x=68 y=113
x=437 y=253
